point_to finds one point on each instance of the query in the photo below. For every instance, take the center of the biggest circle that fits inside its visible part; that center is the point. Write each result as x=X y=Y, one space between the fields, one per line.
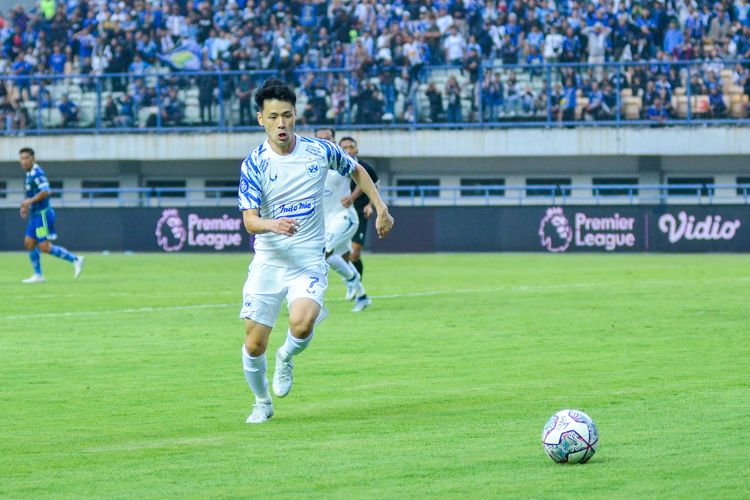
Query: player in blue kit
x=40 y=232
x=281 y=198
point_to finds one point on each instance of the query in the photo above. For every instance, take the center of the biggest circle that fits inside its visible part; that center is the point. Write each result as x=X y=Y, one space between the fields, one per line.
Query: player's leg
x=29 y=243
x=46 y=234
x=254 y=366
x=338 y=236
x=305 y=297
x=262 y=294
x=358 y=242
x=356 y=257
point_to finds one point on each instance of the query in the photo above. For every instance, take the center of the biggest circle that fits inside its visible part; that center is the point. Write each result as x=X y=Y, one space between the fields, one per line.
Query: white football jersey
x=291 y=186
x=337 y=186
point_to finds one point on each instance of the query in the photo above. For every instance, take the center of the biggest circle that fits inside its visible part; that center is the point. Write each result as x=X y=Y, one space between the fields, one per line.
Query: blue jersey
x=36 y=182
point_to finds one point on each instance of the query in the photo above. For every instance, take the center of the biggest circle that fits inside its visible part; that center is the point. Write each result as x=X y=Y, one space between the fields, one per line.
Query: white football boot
x=353 y=286
x=36 y=278
x=262 y=412
x=282 y=375
x=361 y=303
x=78 y=266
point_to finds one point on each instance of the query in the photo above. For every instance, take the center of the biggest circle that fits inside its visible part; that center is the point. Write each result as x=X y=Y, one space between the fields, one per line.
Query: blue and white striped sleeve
x=338 y=160
x=42 y=184
x=249 y=194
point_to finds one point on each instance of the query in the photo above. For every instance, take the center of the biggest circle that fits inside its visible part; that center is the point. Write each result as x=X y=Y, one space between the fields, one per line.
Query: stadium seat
x=144 y=113
x=737 y=110
x=680 y=103
x=87 y=115
x=581 y=104
x=51 y=118
x=631 y=107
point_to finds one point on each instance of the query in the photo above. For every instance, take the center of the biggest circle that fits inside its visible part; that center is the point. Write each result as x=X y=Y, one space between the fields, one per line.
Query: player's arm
x=255 y=224
x=25 y=204
x=367 y=210
x=384 y=221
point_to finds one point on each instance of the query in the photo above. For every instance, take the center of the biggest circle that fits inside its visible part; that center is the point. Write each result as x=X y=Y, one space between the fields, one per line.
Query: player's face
x=27 y=161
x=325 y=133
x=278 y=119
x=350 y=147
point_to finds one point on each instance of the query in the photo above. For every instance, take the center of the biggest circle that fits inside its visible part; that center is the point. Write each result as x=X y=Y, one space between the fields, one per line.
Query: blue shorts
x=42 y=226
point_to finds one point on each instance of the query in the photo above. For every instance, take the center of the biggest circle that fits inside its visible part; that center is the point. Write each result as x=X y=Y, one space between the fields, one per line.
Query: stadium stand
x=372 y=62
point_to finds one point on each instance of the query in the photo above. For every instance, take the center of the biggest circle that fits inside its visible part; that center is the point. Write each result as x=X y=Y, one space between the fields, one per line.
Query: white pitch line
x=69 y=314
x=518 y=288
x=120 y=294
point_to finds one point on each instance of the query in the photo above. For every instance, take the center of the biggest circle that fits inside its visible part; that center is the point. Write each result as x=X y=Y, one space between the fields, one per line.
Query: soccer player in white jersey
x=341 y=225
x=281 y=196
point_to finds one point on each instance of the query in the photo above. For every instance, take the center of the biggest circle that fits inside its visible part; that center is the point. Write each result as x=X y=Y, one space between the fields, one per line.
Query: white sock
x=339 y=265
x=360 y=287
x=293 y=346
x=255 y=374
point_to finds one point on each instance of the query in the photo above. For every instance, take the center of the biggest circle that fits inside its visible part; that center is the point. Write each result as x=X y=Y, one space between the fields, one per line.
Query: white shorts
x=340 y=229
x=267 y=286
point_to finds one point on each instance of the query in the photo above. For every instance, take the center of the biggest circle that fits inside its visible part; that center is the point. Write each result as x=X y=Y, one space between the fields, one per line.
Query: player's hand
x=25 y=208
x=287 y=227
x=367 y=211
x=384 y=223
x=346 y=201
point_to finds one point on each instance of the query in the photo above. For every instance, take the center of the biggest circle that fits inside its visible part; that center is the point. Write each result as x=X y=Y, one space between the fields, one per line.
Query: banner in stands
x=551 y=229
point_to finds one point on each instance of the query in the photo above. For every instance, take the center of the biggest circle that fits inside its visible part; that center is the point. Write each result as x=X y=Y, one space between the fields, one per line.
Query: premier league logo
x=170 y=231
x=555 y=230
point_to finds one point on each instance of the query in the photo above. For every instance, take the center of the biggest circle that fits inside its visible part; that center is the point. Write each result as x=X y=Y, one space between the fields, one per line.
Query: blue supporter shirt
x=36 y=182
x=57 y=63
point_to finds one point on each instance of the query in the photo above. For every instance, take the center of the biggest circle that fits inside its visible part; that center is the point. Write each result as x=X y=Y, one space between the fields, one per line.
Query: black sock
x=359 y=266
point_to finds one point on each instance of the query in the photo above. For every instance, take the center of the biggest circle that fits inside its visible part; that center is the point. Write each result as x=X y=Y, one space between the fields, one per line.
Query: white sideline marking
x=131 y=310
x=518 y=288
x=116 y=311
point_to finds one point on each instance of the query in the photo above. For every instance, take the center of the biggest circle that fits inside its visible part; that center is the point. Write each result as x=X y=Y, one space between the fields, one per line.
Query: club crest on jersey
x=313 y=169
x=294 y=209
x=244 y=186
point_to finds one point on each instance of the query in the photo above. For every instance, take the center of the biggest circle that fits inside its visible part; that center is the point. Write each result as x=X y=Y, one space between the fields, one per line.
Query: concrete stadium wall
x=471 y=143
x=656 y=228
x=650 y=154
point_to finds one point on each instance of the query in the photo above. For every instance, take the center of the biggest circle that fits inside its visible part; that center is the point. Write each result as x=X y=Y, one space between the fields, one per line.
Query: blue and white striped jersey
x=35 y=182
x=291 y=186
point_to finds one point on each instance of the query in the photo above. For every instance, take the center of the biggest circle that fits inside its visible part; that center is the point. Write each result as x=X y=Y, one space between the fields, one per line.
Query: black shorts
x=359 y=236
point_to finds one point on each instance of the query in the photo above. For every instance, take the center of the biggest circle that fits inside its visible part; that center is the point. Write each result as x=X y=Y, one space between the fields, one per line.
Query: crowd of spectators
x=376 y=53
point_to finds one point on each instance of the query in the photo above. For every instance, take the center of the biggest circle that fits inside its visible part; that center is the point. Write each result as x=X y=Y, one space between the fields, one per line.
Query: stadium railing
x=563 y=194
x=183 y=101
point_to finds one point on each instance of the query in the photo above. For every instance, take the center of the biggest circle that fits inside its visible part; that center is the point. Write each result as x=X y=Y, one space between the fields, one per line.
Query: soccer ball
x=570 y=436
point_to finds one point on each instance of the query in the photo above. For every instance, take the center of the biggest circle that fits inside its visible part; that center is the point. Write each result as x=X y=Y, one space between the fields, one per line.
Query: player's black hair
x=26 y=150
x=333 y=132
x=274 y=88
x=347 y=138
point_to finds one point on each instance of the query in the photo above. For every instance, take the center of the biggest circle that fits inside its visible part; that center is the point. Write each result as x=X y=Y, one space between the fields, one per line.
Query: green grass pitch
x=128 y=382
